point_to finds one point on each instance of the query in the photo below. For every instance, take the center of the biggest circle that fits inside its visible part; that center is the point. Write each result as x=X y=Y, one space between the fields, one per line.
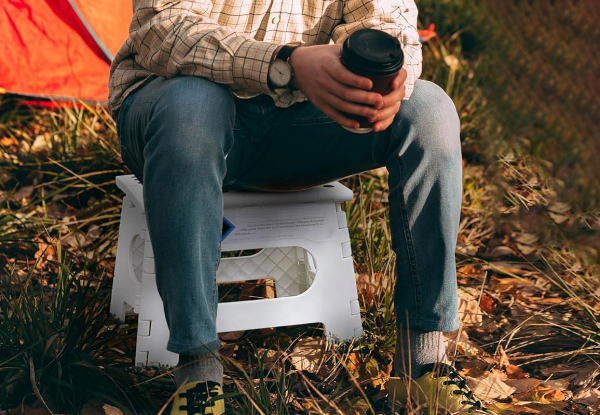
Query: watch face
x=280 y=73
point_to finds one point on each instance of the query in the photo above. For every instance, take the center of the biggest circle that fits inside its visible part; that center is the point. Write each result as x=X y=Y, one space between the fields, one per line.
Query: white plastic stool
x=305 y=250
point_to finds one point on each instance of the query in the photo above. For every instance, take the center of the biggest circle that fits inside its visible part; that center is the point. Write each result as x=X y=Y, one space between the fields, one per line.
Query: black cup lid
x=371 y=52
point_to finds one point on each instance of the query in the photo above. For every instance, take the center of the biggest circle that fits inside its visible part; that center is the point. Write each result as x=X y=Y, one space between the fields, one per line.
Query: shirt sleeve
x=173 y=38
x=396 y=17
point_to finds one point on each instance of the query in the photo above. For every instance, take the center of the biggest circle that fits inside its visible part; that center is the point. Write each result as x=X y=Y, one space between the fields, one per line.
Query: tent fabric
x=60 y=49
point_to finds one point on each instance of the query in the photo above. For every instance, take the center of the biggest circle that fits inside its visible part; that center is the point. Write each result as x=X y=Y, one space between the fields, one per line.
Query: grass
x=528 y=244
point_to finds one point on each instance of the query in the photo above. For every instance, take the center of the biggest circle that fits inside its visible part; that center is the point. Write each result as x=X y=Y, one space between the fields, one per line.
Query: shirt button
x=275 y=20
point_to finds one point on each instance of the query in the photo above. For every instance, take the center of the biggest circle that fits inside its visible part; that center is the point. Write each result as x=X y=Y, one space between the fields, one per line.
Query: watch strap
x=286 y=51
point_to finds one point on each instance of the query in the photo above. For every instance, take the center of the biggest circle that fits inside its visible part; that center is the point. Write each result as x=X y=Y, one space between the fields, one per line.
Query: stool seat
x=304 y=248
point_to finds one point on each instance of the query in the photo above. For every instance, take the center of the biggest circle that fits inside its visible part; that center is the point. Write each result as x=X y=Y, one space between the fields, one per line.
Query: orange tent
x=60 y=49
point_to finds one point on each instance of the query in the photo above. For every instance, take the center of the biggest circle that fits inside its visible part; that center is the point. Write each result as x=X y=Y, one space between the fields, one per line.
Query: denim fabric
x=188 y=140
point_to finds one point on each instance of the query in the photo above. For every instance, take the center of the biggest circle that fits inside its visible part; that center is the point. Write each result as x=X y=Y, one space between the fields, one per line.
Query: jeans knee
x=431 y=118
x=193 y=120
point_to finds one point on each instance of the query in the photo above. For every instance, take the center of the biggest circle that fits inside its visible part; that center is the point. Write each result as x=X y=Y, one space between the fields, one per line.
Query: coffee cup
x=375 y=55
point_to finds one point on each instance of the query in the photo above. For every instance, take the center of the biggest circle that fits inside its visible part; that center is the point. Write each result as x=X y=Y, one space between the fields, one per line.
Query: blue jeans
x=189 y=140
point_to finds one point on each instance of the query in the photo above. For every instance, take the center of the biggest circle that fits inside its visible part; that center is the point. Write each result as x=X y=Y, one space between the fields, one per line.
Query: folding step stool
x=305 y=250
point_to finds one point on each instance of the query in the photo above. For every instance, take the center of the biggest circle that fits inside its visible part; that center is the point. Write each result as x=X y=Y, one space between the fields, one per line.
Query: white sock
x=193 y=368
x=415 y=349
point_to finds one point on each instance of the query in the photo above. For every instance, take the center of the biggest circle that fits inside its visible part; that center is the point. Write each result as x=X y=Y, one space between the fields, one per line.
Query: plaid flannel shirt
x=232 y=41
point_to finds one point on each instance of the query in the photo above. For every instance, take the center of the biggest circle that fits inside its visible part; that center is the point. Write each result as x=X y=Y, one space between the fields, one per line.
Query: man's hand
x=320 y=75
x=385 y=116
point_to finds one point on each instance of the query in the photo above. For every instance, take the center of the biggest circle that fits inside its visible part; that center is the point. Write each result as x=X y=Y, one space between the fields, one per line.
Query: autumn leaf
x=7 y=142
x=541 y=395
x=514 y=372
x=490 y=386
x=307 y=354
x=486 y=303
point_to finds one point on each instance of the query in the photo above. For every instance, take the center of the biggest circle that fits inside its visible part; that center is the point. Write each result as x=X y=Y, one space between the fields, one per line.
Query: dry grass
x=528 y=262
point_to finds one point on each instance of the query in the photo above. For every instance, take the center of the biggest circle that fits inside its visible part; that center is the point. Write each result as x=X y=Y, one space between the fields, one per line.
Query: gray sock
x=193 y=368
x=415 y=349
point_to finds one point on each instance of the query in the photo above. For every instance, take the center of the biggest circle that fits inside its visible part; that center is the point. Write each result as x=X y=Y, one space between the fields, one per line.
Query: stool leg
x=153 y=332
x=127 y=275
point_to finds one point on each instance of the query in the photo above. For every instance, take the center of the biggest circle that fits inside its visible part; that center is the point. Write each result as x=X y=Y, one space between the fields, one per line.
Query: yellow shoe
x=197 y=398
x=440 y=388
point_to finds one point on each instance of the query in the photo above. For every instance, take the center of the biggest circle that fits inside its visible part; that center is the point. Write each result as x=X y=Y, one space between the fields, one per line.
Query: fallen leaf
x=545 y=301
x=307 y=354
x=558 y=219
x=501 y=251
x=560 y=384
x=510 y=268
x=486 y=303
x=490 y=386
x=526 y=249
x=23 y=194
x=474 y=271
x=464 y=345
x=231 y=336
x=523 y=385
x=468 y=308
x=94 y=232
x=546 y=408
x=368 y=370
x=474 y=367
x=45 y=251
x=382 y=378
x=559 y=207
x=588 y=396
x=526 y=238
x=579 y=375
x=353 y=362
x=541 y=395
x=7 y=142
x=39 y=145
x=514 y=372
x=269 y=356
x=502 y=408
x=111 y=410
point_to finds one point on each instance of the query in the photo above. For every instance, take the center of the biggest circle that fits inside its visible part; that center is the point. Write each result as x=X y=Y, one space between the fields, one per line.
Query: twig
x=311 y=386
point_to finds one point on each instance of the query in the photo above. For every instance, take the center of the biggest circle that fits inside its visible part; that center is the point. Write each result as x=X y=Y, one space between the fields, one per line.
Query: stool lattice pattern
x=289 y=267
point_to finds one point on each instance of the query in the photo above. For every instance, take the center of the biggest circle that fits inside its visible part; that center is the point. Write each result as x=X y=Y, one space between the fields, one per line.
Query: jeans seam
x=409 y=245
x=308 y=122
x=214 y=289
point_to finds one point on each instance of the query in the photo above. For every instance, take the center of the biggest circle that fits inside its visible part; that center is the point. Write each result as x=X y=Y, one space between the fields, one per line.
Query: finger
x=399 y=79
x=337 y=116
x=396 y=95
x=383 y=124
x=387 y=112
x=366 y=111
x=392 y=105
x=356 y=95
x=338 y=72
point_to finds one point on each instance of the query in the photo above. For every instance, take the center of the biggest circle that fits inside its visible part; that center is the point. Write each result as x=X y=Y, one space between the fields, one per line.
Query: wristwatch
x=281 y=73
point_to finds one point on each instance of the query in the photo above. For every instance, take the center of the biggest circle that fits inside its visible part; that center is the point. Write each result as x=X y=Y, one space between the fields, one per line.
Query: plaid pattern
x=232 y=41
